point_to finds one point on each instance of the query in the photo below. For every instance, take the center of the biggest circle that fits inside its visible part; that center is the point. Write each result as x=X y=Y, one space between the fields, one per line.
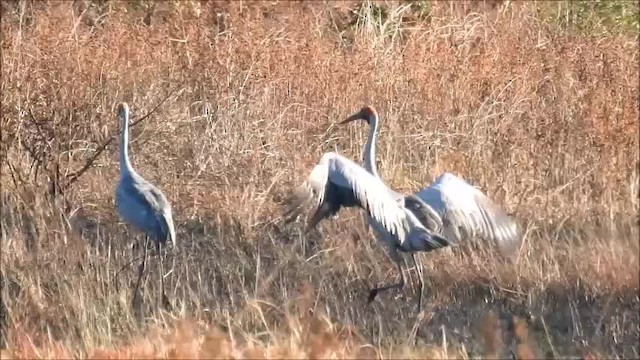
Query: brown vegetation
x=541 y=118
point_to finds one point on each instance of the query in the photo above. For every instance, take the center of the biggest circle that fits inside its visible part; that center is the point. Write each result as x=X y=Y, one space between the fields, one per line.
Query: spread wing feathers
x=337 y=182
x=467 y=213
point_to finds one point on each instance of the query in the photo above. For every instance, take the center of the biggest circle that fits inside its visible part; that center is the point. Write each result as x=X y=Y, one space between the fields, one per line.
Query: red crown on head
x=368 y=111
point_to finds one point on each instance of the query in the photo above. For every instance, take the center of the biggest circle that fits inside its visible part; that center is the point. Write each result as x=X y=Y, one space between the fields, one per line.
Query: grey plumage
x=145 y=207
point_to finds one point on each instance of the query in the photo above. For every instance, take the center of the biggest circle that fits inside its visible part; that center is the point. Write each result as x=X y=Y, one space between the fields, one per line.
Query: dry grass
x=542 y=118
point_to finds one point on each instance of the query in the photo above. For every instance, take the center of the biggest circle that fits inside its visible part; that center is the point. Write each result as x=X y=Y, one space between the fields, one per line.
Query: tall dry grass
x=242 y=97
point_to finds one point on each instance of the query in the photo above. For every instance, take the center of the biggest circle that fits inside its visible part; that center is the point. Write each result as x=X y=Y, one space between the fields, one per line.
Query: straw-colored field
x=535 y=103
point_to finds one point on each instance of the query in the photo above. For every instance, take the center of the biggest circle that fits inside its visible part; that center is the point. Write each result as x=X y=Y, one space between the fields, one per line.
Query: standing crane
x=141 y=204
x=443 y=214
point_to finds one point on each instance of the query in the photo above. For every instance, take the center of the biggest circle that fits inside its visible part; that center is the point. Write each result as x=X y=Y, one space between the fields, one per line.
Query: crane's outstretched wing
x=466 y=213
x=337 y=182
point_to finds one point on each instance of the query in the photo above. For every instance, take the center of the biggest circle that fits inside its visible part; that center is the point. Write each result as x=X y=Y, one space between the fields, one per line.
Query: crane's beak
x=357 y=116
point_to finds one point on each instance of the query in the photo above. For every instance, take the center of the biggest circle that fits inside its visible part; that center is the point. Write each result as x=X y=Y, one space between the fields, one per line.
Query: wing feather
x=372 y=193
x=341 y=182
x=466 y=212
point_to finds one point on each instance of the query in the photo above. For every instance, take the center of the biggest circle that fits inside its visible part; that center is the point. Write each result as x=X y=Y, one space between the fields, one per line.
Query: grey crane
x=462 y=211
x=141 y=204
x=443 y=214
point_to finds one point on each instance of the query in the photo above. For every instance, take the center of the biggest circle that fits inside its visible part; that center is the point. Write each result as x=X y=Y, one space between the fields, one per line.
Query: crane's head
x=123 y=111
x=367 y=113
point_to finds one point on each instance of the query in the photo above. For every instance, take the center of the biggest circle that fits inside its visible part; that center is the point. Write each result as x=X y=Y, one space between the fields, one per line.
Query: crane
x=462 y=211
x=448 y=211
x=141 y=204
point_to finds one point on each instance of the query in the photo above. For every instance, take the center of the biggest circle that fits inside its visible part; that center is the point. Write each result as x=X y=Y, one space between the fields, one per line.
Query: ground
x=534 y=103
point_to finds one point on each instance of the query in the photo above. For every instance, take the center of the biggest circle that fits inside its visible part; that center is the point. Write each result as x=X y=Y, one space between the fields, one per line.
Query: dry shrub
x=542 y=119
x=307 y=337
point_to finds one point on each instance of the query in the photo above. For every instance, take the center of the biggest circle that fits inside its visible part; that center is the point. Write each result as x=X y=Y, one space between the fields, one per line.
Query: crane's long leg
x=420 y=281
x=397 y=259
x=140 y=270
x=164 y=298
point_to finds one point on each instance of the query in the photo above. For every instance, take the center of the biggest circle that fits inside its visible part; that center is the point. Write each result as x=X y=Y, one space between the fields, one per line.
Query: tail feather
x=425 y=240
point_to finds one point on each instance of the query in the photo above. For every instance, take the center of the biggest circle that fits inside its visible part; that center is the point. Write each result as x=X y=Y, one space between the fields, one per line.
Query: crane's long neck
x=125 y=164
x=370 y=147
